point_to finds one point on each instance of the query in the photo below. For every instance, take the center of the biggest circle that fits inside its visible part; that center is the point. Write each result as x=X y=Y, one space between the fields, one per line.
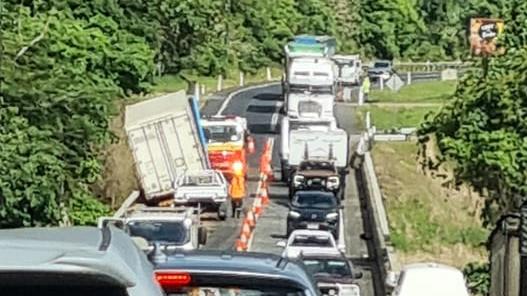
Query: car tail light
x=171 y=279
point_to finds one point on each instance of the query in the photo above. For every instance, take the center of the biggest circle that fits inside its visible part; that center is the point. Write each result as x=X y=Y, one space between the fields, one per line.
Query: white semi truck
x=164 y=137
x=313 y=140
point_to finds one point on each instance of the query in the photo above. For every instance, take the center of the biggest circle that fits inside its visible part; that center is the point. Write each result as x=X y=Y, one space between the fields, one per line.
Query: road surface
x=262 y=107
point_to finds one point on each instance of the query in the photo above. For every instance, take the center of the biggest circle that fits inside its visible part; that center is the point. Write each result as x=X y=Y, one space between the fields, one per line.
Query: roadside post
x=523 y=248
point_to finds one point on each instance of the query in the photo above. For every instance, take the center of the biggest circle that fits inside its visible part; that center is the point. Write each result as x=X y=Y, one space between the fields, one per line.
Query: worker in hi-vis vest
x=237 y=192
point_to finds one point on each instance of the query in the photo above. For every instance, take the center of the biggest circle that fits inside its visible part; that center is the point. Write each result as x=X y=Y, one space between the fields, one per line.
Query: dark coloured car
x=314 y=210
x=335 y=274
x=231 y=273
x=381 y=68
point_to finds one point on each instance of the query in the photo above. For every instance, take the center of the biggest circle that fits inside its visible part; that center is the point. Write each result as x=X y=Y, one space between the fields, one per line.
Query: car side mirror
x=357 y=275
x=391 y=279
x=281 y=244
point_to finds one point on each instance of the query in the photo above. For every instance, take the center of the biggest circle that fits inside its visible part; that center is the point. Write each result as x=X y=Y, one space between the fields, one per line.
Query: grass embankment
x=386 y=118
x=422 y=92
x=406 y=108
x=427 y=220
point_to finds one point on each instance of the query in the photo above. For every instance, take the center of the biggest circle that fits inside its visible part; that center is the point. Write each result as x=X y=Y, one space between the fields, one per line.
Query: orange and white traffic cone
x=242 y=243
x=250 y=219
x=257 y=207
x=264 y=194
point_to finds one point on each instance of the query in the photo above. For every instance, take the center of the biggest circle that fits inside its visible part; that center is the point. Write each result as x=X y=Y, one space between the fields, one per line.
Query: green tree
x=483 y=129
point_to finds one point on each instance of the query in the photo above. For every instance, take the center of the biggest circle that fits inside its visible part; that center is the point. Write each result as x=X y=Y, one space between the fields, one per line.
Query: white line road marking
x=231 y=95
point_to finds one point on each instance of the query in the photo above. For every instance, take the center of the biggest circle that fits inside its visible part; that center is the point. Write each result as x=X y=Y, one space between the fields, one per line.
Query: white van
x=350 y=69
x=430 y=279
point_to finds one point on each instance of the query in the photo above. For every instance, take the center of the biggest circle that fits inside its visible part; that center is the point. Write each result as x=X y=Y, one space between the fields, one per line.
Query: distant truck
x=350 y=69
x=314 y=140
x=315 y=74
x=174 y=227
x=164 y=138
x=228 y=144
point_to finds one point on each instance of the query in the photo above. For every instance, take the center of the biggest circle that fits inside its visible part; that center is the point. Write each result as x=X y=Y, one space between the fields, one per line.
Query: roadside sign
x=395 y=83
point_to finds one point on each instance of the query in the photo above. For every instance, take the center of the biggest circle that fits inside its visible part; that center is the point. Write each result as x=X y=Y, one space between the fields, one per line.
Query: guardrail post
x=269 y=77
x=428 y=65
x=368 y=120
x=219 y=87
x=408 y=78
x=242 y=79
x=361 y=97
x=381 y=80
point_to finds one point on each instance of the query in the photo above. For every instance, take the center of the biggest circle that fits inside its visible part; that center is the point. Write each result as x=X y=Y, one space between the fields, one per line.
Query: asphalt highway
x=262 y=107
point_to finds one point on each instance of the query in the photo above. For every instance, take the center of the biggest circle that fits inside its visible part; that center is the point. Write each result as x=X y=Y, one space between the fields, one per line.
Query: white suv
x=429 y=279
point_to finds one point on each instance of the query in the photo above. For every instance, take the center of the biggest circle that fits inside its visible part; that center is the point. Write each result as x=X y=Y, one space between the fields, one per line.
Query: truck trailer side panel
x=162 y=135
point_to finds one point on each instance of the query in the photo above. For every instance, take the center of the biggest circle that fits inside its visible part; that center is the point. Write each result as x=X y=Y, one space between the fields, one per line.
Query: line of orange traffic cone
x=261 y=200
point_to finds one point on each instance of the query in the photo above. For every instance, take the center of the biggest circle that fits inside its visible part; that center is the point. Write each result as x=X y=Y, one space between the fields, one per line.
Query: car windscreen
x=222 y=284
x=164 y=232
x=311 y=241
x=332 y=267
x=209 y=180
x=319 y=200
x=222 y=133
x=32 y=290
x=33 y=283
x=381 y=65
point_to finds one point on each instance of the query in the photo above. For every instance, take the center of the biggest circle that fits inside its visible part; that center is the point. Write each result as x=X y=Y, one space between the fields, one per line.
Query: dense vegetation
x=65 y=63
x=484 y=128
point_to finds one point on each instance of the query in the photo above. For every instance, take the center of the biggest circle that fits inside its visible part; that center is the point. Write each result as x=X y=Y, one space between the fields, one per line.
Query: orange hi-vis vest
x=237 y=187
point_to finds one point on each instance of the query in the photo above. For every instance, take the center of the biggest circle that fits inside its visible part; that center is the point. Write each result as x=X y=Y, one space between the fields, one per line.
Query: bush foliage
x=66 y=62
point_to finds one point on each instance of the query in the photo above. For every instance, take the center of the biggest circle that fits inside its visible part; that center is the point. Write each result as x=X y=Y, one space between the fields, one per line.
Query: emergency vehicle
x=228 y=143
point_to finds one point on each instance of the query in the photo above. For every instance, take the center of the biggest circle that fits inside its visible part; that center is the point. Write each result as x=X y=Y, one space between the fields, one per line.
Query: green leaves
x=60 y=77
x=484 y=128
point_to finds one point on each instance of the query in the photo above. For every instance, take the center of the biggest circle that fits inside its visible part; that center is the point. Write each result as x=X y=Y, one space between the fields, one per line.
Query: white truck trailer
x=312 y=140
x=163 y=134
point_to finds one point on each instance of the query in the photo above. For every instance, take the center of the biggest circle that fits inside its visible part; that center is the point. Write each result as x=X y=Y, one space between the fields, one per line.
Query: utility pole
x=523 y=248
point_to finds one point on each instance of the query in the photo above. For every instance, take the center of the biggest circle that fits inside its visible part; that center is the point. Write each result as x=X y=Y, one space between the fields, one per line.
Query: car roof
x=251 y=263
x=423 y=278
x=70 y=250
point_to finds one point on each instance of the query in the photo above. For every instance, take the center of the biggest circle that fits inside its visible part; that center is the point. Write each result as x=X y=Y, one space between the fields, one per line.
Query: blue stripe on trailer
x=197 y=119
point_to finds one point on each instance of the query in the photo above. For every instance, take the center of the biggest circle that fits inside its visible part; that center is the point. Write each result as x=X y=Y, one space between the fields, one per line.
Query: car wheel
x=222 y=212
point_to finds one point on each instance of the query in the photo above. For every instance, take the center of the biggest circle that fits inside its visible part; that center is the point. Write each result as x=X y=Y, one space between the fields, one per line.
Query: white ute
x=430 y=279
x=208 y=190
x=309 y=241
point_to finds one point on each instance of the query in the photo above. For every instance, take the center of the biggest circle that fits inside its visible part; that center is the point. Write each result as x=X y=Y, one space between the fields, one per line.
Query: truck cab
x=228 y=143
x=350 y=69
x=177 y=228
x=315 y=72
x=317 y=175
x=309 y=104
